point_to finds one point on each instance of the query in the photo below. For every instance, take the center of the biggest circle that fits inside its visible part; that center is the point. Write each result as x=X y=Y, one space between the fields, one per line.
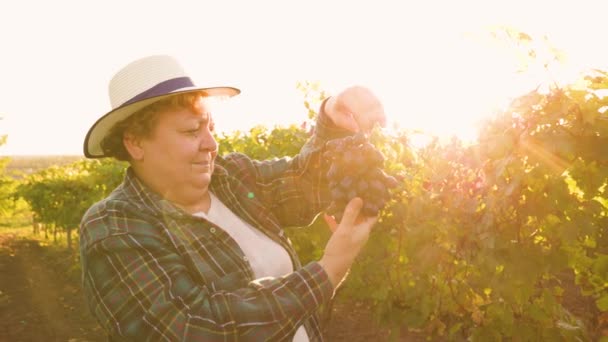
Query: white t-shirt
x=266 y=257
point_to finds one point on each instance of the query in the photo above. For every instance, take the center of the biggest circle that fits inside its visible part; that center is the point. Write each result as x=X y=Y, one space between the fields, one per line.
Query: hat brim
x=97 y=132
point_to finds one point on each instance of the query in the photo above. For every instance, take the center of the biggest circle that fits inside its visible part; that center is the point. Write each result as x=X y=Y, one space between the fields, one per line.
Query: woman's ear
x=133 y=146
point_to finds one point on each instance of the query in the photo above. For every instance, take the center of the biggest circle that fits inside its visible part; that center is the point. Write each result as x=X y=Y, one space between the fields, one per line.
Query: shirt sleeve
x=139 y=288
x=293 y=188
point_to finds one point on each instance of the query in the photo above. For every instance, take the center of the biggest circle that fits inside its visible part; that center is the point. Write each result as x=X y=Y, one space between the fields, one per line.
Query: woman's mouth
x=202 y=166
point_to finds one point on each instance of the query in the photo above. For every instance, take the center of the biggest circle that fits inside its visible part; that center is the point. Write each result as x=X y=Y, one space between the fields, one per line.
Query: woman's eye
x=192 y=131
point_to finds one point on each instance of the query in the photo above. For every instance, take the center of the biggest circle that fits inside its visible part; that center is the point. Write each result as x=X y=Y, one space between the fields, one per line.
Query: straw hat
x=140 y=84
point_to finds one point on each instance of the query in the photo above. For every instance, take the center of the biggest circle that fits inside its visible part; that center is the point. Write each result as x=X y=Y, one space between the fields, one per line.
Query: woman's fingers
x=331 y=222
x=351 y=212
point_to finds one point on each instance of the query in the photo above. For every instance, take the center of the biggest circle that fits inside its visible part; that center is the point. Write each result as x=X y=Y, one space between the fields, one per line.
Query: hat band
x=162 y=88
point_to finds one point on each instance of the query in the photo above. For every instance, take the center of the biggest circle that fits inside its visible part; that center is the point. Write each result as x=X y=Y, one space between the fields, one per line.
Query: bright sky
x=56 y=57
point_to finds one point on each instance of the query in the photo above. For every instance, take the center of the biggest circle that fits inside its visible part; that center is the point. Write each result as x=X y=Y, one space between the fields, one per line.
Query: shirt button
x=245 y=258
x=212 y=230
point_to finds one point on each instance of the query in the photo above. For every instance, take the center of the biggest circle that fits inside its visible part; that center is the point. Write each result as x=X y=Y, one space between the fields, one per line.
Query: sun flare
x=485 y=71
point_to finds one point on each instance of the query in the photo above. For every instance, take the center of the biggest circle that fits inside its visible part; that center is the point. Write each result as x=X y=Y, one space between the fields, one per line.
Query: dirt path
x=37 y=301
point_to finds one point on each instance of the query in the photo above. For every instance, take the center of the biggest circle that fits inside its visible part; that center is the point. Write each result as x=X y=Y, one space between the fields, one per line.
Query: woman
x=191 y=245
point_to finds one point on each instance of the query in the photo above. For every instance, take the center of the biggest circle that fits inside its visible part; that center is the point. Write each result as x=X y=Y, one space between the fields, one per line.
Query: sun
x=478 y=78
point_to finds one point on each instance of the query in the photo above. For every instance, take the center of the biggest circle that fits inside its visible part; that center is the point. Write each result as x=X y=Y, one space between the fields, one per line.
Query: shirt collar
x=153 y=201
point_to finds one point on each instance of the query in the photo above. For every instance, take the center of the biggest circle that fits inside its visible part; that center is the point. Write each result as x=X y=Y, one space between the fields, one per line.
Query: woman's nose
x=208 y=142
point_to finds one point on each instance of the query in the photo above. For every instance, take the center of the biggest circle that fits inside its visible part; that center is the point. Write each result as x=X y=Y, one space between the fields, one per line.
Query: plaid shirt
x=151 y=271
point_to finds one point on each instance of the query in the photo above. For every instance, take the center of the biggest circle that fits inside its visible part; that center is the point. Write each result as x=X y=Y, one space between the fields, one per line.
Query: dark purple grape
x=370 y=209
x=373 y=173
x=347 y=156
x=346 y=182
x=376 y=157
x=333 y=172
x=355 y=170
x=390 y=182
x=337 y=194
x=359 y=138
x=362 y=186
x=376 y=185
x=351 y=194
x=334 y=144
x=359 y=159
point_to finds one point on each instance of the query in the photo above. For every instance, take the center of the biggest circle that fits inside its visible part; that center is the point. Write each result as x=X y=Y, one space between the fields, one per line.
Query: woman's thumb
x=351 y=212
x=347 y=121
x=351 y=124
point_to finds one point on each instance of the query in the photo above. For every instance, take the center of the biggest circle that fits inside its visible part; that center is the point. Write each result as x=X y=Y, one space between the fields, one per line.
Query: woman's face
x=178 y=156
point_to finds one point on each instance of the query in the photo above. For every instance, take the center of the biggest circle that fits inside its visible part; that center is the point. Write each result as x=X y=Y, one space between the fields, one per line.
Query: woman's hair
x=141 y=124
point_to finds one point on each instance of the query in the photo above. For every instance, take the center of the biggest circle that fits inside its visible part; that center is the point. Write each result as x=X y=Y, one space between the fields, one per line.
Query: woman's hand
x=346 y=241
x=355 y=109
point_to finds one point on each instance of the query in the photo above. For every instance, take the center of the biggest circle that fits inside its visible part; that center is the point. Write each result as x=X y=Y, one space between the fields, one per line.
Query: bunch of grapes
x=356 y=171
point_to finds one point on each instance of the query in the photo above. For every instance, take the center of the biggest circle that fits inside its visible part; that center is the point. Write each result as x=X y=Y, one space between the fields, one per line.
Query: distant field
x=18 y=165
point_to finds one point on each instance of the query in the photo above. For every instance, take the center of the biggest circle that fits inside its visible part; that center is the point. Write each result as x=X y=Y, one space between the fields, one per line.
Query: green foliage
x=7 y=186
x=60 y=195
x=477 y=238
x=313 y=96
x=263 y=143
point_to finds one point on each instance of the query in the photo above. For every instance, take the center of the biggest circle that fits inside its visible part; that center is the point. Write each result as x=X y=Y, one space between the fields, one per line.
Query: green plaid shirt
x=151 y=271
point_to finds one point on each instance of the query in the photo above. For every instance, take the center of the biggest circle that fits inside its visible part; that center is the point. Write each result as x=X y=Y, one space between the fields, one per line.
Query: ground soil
x=41 y=300
x=38 y=301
